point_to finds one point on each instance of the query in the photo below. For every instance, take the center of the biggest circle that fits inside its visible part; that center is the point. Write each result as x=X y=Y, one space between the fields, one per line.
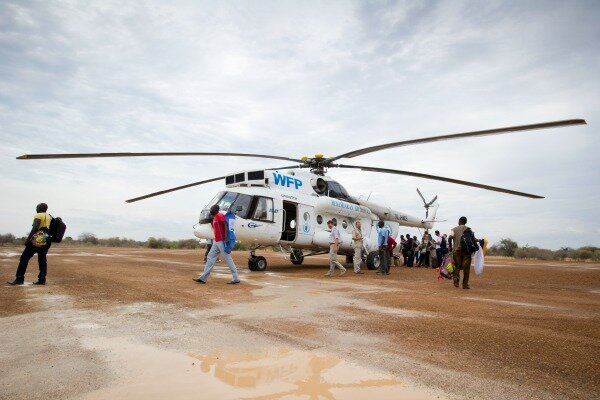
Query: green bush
x=507 y=247
x=160 y=243
x=535 y=253
x=240 y=246
x=186 y=244
x=88 y=238
x=11 y=240
x=583 y=254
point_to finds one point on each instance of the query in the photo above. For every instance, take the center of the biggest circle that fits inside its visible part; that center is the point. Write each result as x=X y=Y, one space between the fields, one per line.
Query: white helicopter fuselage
x=291 y=209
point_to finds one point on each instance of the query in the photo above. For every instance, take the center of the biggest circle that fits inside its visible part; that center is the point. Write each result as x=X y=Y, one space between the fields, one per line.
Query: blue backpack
x=230 y=239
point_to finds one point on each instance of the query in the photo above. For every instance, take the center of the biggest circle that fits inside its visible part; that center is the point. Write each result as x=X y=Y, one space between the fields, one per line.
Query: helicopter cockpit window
x=227 y=200
x=224 y=200
x=215 y=199
x=263 y=210
x=205 y=217
x=337 y=191
x=244 y=201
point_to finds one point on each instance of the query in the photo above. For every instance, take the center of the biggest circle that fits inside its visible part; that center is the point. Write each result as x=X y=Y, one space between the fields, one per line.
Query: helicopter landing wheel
x=257 y=263
x=296 y=257
x=252 y=263
x=373 y=260
x=349 y=258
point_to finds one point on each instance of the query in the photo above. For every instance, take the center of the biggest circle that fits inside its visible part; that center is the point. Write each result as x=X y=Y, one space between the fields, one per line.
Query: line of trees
x=90 y=239
x=509 y=248
x=505 y=247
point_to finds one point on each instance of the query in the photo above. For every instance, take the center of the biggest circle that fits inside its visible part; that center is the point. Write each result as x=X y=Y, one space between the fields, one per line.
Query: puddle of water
x=146 y=372
x=274 y=284
x=87 y=325
x=295 y=374
x=400 y=312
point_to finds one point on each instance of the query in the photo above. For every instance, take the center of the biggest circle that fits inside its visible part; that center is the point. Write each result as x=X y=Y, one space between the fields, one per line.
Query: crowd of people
x=428 y=252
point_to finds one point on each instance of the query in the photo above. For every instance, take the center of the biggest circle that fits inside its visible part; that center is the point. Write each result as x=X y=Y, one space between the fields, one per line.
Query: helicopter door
x=290 y=221
x=306 y=224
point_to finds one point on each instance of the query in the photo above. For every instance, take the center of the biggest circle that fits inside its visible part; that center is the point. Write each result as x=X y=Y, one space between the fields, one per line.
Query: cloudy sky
x=295 y=78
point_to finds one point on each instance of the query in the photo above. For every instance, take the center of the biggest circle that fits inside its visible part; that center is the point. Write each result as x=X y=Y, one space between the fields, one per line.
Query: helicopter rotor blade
x=421 y=194
x=173 y=189
x=286 y=167
x=191 y=185
x=158 y=154
x=487 y=132
x=441 y=178
x=432 y=200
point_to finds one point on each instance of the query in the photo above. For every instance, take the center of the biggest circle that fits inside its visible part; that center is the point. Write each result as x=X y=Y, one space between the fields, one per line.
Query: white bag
x=478 y=267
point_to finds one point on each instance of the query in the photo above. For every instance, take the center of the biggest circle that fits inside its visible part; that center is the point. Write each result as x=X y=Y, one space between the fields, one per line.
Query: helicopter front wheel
x=257 y=263
x=373 y=260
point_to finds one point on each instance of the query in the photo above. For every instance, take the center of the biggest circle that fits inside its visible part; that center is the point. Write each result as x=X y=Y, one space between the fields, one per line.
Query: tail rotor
x=427 y=204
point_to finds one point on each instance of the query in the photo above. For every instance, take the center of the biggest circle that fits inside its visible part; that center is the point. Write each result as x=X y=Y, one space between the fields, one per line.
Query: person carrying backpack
x=222 y=244
x=464 y=245
x=38 y=241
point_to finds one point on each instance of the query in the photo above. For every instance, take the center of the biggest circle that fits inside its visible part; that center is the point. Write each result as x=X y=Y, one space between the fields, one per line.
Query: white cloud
x=296 y=78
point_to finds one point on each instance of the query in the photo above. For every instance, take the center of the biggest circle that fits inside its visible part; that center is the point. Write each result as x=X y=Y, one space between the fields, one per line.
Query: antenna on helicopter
x=425 y=203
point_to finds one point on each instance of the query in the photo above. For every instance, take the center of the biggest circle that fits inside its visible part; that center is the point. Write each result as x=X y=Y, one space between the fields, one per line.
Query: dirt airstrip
x=131 y=324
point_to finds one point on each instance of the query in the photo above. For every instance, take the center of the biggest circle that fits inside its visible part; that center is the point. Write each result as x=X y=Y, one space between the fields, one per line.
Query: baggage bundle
x=468 y=243
x=446 y=270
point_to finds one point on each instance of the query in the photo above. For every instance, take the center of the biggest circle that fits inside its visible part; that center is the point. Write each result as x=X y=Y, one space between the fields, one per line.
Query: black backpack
x=468 y=243
x=57 y=229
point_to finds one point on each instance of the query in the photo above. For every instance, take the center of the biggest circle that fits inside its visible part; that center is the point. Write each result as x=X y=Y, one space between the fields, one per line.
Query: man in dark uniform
x=409 y=251
x=41 y=221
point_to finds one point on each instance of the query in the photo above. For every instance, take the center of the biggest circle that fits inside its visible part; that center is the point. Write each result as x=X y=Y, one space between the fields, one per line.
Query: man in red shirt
x=220 y=228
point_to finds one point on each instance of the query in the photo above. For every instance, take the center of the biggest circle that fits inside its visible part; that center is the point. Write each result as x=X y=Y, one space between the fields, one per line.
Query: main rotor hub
x=318 y=164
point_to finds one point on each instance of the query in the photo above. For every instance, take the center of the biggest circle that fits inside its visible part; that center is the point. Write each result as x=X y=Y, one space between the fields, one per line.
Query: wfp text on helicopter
x=288 y=207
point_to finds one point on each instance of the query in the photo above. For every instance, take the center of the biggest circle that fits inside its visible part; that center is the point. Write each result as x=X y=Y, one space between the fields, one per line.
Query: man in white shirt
x=438 y=249
x=357 y=244
x=334 y=245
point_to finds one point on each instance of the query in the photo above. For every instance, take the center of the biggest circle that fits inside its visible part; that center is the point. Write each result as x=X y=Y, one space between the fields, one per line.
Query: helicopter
x=289 y=206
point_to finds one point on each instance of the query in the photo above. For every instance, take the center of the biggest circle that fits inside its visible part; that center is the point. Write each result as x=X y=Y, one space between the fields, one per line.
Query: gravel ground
x=130 y=323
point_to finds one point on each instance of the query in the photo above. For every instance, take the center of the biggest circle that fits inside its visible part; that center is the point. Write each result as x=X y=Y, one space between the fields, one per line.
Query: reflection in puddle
x=293 y=373
x=145 y=372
